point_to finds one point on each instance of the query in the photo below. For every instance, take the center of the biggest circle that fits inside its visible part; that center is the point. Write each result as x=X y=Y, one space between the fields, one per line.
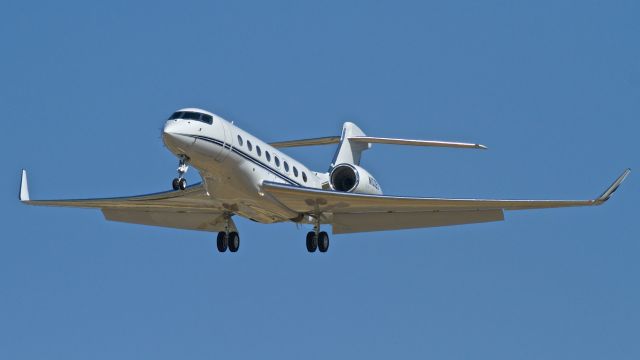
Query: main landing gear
x=316 y=239
x=180 y=183
x=228 y=240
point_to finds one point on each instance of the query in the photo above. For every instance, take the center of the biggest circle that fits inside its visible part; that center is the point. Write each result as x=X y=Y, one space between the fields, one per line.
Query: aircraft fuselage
x=233 y=164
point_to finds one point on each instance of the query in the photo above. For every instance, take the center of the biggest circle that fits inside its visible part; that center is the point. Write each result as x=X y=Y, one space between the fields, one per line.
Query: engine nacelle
x=354 y=179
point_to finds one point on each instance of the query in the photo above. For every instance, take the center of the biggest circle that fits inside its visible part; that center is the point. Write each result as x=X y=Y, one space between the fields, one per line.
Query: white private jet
x=242 y=175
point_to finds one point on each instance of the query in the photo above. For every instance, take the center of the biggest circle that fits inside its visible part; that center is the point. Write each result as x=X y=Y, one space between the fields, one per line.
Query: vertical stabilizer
x=349 y=151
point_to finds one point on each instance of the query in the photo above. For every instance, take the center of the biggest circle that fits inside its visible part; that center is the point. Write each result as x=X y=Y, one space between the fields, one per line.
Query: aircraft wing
x=185 y=209
x=361 y=213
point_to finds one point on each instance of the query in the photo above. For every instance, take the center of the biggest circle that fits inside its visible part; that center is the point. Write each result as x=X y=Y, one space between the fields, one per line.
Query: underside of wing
x=192 y=208
x=359 y=212
x=343 y=223
x=191 y=220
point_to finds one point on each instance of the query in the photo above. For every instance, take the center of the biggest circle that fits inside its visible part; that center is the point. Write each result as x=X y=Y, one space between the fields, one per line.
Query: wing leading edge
x=360 y=212
x=187 y=209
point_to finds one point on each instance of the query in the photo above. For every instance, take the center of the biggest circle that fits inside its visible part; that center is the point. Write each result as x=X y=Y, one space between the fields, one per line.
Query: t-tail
x=349 y=151
x=345 y=173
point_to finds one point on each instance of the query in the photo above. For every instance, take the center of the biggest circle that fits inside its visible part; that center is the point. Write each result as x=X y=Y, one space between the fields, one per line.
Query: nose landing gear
x=180 y=183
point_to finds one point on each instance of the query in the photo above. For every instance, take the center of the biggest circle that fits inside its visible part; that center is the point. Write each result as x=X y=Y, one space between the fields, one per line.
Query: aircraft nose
x=170 y=128
x=176 y=137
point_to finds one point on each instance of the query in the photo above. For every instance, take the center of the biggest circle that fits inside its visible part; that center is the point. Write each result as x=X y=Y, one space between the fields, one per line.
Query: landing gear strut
x=317 y=239
x=180 y=183
x=228 y=240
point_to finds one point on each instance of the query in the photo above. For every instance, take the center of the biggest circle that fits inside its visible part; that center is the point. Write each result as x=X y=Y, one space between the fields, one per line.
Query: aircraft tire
x=234 y=241
x=175 y=184
x=222 y=241
x=182 y=183
x=312 y=242
x=323 y=241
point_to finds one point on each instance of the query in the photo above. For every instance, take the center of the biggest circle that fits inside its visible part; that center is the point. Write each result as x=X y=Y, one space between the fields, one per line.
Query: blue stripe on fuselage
x=248 y=157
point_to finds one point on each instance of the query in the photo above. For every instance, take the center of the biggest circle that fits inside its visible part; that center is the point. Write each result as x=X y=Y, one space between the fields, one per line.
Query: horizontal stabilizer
x=328 y=140
x=307 y=142
x=380 y=140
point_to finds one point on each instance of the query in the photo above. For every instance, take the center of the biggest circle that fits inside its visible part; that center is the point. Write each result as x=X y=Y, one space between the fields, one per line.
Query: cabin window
x=240 y=140
x=304 y=176
x=275 y=158
x=295 y=172
x=266 y=153
x=258 y=150
x=286 y=167
x=249 y=145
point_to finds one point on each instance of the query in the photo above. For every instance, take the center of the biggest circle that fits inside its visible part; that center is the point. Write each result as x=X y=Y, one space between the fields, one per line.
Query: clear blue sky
x=552 y=87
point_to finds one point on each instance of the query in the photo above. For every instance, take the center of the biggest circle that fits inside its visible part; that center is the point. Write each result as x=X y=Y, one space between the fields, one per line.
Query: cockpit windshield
x=191 y=115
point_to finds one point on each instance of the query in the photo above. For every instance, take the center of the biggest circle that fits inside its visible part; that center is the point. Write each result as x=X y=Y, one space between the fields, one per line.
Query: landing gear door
x=227 y=142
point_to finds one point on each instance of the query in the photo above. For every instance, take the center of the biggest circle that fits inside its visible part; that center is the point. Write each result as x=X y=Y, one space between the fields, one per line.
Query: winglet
x=24 y=187
x=607 y=194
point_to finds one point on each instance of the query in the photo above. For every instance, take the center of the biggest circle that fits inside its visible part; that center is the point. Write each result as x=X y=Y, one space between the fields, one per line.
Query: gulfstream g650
x=245 y=176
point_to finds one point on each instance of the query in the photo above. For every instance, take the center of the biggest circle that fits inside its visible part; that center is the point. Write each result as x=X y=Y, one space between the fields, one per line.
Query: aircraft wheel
x=222 y=241
x=175 y=184
x=234 y=241
x=182 y=183
x=312 y=242
x=323 y=241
